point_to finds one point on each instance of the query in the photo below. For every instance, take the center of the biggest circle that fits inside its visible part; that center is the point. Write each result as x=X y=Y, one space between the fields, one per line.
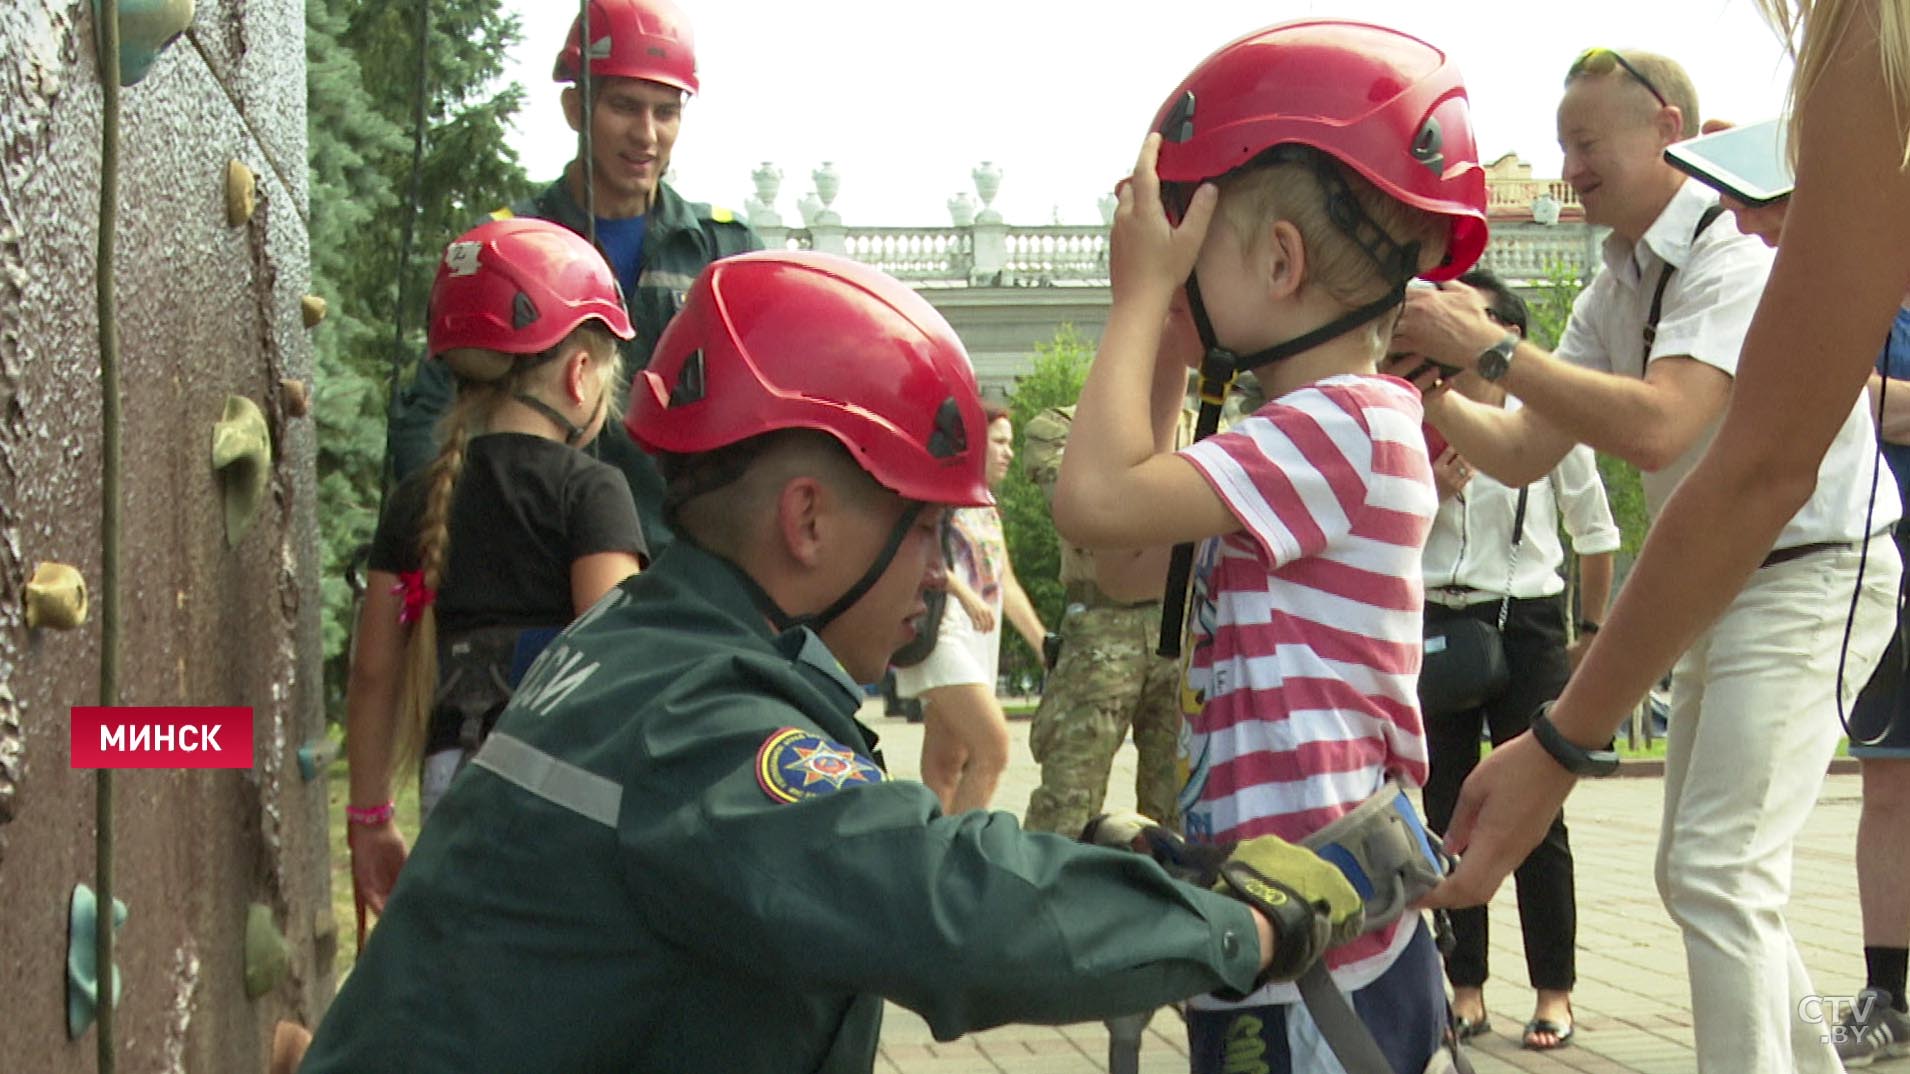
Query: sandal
x=1464 y=1029
x=1563 y=1033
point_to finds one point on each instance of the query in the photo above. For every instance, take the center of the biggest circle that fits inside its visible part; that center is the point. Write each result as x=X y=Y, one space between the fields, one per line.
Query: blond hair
x=486 y=381
x=1812 y=30
x=1290 y=189
x=1659 y=77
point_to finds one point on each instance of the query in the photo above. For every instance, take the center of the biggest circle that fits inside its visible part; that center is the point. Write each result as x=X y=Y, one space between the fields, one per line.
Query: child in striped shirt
x=1333 y=162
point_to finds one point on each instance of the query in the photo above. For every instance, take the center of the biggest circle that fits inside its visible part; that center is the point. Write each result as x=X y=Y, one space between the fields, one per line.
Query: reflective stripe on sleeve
x=582 y=792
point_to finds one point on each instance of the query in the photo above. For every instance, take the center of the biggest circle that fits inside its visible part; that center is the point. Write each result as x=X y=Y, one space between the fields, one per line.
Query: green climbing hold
x=82 y=958
x=267 y=955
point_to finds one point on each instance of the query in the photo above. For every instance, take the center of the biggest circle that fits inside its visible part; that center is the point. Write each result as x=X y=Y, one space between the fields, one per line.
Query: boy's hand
x=1180 y=340
x=1421 y=373
x=1451 y=474
x=1149 y=258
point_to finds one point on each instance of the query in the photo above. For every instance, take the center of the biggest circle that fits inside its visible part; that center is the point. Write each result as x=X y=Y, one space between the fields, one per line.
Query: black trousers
x=1534 y=638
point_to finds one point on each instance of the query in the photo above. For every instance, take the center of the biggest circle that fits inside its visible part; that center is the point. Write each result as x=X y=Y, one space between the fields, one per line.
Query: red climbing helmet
x=1384 y=103
x=787 y=339
x=520 y=286
x=647 y=39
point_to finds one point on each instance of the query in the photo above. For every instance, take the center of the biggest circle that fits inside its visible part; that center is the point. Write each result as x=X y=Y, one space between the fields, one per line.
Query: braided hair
x=487 y=380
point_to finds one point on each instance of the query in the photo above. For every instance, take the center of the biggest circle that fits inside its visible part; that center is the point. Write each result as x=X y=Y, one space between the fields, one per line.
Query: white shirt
x=1470 y=546
x=1714 y=290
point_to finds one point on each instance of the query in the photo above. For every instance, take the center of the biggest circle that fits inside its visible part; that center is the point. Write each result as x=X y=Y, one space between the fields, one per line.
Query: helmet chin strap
x=779 y=618
x=869 y=577
x=573 y=433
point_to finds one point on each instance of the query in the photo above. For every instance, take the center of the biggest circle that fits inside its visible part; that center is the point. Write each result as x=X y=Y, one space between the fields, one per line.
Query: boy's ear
x=573 y=107
x=1285 y=263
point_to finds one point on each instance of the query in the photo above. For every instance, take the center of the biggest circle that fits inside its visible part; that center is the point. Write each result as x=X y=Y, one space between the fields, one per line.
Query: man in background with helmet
x=642 y=72
x=1644 y=371
x=679 y=851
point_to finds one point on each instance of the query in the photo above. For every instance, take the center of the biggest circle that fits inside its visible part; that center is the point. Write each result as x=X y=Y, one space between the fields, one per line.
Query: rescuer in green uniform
x=678 y=850
x=643 y=69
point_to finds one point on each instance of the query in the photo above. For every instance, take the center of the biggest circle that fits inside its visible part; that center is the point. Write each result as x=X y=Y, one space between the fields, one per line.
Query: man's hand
x=1307 y=900
x=1301 y=902
x=1149 y=257
x=1451 y=474
x=1194 y=863
x=1504 y=810
x=1448 y=327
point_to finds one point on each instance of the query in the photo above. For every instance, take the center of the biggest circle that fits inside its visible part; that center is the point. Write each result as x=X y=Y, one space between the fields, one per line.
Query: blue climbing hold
x=82 y=967
x=146 y=28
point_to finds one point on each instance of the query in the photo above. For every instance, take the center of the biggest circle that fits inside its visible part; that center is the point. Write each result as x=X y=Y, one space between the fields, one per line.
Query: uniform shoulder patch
x=793 y=764
x=722 y=215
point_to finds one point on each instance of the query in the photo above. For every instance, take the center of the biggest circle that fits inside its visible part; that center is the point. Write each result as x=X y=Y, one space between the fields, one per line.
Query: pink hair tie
x=417 y=596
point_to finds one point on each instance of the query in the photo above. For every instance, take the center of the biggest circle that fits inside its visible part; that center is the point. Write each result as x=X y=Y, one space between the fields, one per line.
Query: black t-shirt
x=524 y=509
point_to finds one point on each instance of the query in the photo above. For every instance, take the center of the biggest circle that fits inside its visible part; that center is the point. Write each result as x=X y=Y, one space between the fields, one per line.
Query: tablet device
x=1749 y=163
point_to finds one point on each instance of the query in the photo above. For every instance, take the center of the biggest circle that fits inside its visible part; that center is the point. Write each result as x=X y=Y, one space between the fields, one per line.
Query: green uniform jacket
x=726 y=882
x=683 y=237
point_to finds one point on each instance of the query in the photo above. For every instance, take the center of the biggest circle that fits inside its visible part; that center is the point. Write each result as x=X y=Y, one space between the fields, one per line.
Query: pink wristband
x=371 y=817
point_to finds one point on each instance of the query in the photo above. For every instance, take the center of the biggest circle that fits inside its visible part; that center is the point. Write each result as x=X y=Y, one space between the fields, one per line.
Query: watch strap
x=1495 y=360
x=1571 y=756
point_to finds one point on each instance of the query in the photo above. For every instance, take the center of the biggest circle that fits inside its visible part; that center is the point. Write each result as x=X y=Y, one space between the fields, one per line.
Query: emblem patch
x=794 y=764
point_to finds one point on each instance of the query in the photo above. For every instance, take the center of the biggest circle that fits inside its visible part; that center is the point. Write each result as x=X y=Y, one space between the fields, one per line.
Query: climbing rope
x=590 y=117
x=108 y=17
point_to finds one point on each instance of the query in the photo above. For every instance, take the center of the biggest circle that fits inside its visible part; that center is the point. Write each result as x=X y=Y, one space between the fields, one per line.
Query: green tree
x=362 y=84
x=1551 y=307
x=1060 y=367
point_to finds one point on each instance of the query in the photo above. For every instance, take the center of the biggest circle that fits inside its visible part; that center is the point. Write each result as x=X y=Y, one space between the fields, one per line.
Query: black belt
x=1799 y=551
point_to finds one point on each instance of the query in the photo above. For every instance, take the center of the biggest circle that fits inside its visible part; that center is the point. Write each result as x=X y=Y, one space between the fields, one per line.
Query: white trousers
x=1753 y=727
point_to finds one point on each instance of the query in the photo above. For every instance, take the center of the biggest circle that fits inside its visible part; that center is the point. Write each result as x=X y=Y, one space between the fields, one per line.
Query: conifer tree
x=362 y=85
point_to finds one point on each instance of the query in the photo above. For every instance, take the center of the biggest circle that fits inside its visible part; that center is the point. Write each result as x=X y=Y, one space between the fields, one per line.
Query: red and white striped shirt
x=1305 y=636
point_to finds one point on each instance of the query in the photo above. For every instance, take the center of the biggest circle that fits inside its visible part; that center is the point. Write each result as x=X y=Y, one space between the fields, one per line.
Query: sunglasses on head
x=1600 y=61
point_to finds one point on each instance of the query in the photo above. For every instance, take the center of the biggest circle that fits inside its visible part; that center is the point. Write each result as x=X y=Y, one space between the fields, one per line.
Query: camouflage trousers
x=1107 y=682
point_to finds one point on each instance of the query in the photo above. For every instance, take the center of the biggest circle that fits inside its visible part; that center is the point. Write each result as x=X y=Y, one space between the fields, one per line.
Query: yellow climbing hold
x=56 y=597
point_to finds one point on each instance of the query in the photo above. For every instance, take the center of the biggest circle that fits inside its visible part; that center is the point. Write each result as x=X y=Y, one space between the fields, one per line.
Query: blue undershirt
x=622 y=242
x=1894 y=363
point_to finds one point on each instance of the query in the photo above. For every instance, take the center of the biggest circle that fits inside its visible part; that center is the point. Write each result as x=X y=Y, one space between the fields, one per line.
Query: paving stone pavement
x=1632 y=1001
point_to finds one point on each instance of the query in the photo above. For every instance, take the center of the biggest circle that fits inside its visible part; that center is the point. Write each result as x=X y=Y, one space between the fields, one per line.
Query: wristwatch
x=1496 y=359
x=1586 y=626
x=1571 y=756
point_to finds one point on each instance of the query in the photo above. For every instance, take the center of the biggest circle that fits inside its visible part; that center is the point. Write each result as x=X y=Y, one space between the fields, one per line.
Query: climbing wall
x=210 y=308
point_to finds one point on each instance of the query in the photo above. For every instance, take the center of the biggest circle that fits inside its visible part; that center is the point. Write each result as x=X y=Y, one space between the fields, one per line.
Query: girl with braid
x=507 y=536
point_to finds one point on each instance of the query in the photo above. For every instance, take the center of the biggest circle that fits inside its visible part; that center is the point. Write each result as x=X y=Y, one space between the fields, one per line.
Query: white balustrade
x=984 y=252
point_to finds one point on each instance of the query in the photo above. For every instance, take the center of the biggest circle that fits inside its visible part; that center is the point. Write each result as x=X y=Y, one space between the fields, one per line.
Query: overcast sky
x=906 y=96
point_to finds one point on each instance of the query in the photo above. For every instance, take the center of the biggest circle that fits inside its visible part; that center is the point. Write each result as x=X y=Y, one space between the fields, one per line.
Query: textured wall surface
x=206 y=310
